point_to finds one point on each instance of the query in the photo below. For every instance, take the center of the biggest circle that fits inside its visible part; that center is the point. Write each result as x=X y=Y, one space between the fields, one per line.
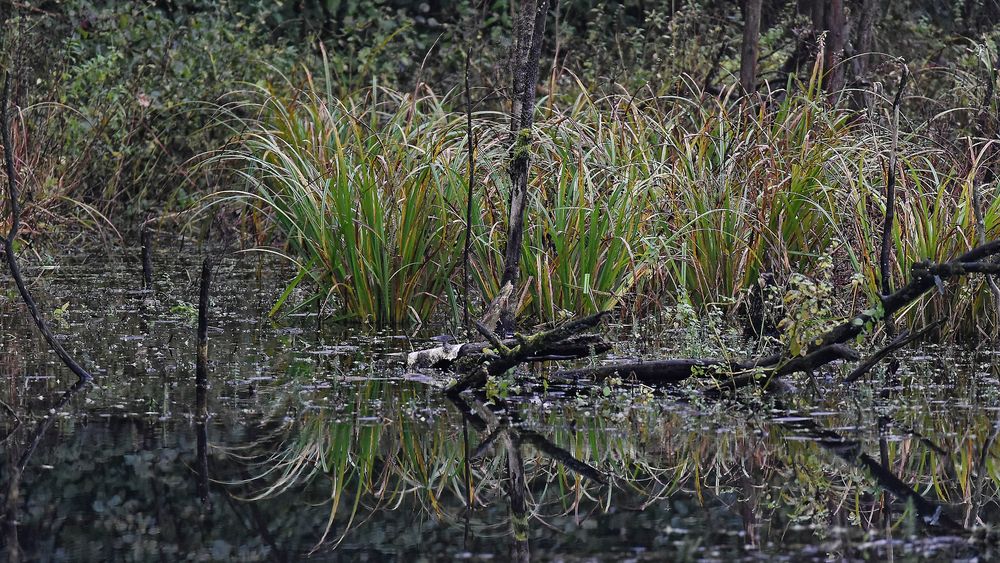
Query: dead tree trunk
x=527 y=51
x=885 y=255
x=201 y=365
x=751 y=45
x=818 y=14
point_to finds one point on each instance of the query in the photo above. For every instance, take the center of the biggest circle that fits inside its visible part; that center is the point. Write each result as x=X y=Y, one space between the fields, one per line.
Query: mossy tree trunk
x=527 y=52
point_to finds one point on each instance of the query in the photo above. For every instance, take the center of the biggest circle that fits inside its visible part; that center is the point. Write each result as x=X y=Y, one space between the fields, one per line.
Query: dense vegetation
x=337 y=132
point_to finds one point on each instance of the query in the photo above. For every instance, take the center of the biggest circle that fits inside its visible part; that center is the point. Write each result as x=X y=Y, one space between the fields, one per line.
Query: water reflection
x=488 y=421
x=314 y=445
x=18 y=449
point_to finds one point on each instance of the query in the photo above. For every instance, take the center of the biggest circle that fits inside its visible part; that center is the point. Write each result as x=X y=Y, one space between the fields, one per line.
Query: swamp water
x=318 y=446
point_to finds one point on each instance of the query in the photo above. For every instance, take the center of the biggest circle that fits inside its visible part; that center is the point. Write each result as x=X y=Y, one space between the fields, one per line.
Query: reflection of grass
x=377 y=455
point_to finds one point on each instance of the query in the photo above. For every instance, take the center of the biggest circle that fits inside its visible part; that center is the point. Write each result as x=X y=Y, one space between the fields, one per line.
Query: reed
x=635 y=200
x=363 y=193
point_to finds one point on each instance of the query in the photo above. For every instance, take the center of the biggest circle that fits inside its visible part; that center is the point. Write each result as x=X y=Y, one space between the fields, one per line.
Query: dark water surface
x=319 y=447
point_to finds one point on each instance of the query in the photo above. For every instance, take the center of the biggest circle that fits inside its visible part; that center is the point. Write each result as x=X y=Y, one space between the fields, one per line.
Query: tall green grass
x=361 y=191
x=633 y=199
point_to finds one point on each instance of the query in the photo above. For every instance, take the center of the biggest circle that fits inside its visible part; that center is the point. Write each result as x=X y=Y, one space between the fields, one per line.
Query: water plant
x=633 y=199
x=361 y=191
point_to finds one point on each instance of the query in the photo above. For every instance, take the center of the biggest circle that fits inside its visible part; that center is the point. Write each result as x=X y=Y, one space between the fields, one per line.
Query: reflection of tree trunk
x=258 y=522
x=14 y=471
x=883 y=455
x=201 y=429
x=516 y=490
x=748 y=506
x=751 y=45
x=972 y=516
x=12 y=546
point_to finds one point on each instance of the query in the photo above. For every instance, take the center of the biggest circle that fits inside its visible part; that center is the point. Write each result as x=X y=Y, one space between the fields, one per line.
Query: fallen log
x=478 y=361
x=924 y=276
x=740 y=373
x=444 y=357
x=497 y=358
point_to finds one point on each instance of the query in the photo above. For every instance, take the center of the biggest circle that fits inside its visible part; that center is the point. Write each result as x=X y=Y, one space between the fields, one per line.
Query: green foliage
x=362 y=190
x=129 y=92
x=631 y=201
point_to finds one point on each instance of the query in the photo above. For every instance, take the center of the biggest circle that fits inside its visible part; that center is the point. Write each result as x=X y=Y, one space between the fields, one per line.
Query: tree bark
x=835 y=24
x=818 y=15
x=751 y=45
x=201 y=364
x=885 y=255
x=531 y=28
x=866 y=34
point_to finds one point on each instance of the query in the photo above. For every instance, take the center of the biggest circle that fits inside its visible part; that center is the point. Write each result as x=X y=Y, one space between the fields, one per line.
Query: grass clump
x=361 y=190
x=633 y=199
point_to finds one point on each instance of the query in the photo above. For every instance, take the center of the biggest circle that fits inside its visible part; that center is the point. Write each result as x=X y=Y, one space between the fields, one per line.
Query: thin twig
x=890 y=201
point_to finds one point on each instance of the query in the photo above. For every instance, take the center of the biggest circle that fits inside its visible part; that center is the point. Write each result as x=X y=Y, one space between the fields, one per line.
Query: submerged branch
x=900 y=341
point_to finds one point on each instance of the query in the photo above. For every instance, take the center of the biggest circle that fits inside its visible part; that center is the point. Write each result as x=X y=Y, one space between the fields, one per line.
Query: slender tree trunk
x=528 y=49
x=818 y=15
x=885 y=274
x=751 y=45
x=835 y=24
x=201 y=363
x=471 y=186
x=8 y=243
x=866 y=34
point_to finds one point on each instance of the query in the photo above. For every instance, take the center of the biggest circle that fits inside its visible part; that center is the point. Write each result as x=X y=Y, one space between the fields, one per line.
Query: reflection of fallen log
x=851 y=452
x=495 y=429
